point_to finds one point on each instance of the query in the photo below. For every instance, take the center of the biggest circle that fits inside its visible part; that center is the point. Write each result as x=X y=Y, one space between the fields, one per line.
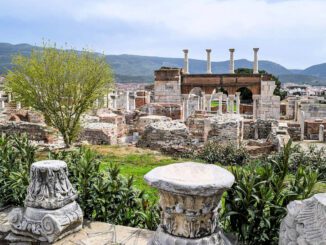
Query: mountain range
x=136 y=68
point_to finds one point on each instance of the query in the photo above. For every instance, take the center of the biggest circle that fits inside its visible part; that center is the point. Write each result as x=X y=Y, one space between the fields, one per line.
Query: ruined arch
x=194 y=101
x=245 y=95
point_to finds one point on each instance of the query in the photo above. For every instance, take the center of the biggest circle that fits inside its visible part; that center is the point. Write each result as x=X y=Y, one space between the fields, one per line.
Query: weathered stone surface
x=99 y=133
x=189 y=197
x=167 y=136
x=99 y=233
x=196 y=178
x=46 y=225
x=49 y=187
x=305 y=222
x=50 y=211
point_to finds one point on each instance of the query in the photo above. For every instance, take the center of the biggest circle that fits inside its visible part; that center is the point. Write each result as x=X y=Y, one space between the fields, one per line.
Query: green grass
x=135 y=162
x=215 y=103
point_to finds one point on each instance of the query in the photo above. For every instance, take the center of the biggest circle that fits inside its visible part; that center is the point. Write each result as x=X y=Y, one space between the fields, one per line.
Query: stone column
x=237 y=98
x=51 y=211
x=220 y=102
x=227 y=104
x=18 y=105
x=231 y=97
x=302 y=118
x=127 y=100
x=2 y=104
x=321 y=132
x=255 y=68
x=189 y=202
x=231 y=67
x=185 y=62
x=209 y=65
x=254 y=106
x=9 y=97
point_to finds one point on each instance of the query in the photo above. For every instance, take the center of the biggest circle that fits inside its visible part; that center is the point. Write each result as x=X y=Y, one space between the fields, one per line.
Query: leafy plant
x=107 y=196
x=16 y=157
x=314 y=157
x=256 y=204
x=61 y=83
x=213 y=152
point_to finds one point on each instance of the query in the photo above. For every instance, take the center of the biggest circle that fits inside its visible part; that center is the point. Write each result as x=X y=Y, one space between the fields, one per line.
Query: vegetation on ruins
x=226 y=155
x=16 y=157
x=277 y=90
x=103 y=195
x=62 y=84
x=255 y=205
x=106 y=195
x=313 y=157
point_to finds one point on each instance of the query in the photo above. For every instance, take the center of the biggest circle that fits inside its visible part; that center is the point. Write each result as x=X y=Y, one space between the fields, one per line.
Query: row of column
x=229 y=103
x=209 y=64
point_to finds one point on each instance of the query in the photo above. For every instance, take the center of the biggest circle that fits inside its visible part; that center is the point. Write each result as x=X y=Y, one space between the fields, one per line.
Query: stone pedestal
x=50 y=211
x=189 y=197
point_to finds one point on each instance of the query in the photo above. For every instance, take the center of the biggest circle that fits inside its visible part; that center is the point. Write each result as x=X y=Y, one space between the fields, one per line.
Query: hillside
x=135 y=68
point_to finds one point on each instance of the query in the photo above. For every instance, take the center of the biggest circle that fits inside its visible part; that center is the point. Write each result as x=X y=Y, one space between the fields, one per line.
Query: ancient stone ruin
x=50 y=211
x=189 y=197
x=305 y=222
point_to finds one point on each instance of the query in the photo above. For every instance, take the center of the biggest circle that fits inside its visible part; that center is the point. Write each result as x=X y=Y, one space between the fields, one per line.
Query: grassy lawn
x=134 y=161
x=137 y=162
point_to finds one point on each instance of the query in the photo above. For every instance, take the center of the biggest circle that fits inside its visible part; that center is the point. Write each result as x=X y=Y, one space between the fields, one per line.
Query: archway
x=194 y=101
x=245 y=95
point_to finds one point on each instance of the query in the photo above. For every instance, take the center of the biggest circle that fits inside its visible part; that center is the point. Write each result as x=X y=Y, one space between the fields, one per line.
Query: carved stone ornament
x=189 y=197
x=305 y=223
x=49 y=185
x=50 y=211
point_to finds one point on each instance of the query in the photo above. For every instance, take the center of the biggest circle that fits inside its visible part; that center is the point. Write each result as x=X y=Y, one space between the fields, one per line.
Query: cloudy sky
x=290 y=32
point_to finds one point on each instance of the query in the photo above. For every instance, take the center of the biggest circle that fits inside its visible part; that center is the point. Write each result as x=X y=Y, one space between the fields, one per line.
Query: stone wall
x=313 y=110
x=173 y=111
x=312 y=128
x=294 y=131
x=143 y=121
x=167 y=88
x=99 y=133
x=264 y=128
x=225 y=129
x=34 y=131
x=169 y=136
x=268 y=105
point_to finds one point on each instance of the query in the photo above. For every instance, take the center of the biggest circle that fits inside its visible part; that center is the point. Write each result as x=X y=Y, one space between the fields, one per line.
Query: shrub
x=229 y=154
x=256 y=204
x=16 y=157
x=314 y=157
x=107 y=196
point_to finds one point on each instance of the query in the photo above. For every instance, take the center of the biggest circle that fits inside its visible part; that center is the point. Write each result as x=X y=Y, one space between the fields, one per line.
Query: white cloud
x=214 y=18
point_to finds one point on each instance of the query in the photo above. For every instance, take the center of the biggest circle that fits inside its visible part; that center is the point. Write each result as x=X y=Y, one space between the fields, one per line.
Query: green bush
x=16 y=157
x=226 y=155
x=313 y=157
x=107 y=196
x=256 y=204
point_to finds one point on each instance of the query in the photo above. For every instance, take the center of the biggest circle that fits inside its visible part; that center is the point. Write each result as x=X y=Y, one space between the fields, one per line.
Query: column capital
x=185 y=51
x=208 y=50
x=231 y=50
x=256 y=49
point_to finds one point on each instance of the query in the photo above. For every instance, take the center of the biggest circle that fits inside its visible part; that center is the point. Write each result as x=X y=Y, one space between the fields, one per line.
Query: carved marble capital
x=49 y=186
x=189 y=197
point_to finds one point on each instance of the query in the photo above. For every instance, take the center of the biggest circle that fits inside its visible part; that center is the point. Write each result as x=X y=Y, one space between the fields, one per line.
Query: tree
x=277 y=90
x=62 y=84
